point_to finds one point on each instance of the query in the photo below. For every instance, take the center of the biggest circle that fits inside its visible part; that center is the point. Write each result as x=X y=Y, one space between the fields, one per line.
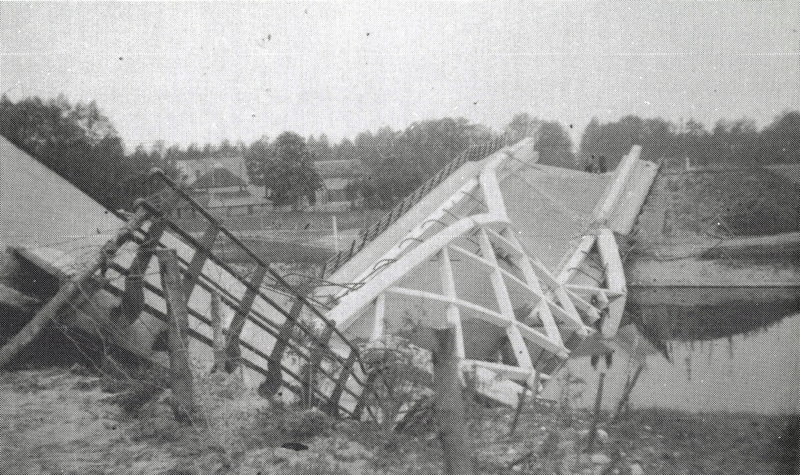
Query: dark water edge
x=691 y=314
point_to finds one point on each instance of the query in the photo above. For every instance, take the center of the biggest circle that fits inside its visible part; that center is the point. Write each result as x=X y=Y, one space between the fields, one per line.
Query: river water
x=740 y=354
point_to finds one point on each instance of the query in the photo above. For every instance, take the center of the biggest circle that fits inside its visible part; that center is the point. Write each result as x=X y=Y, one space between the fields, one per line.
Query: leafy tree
x=780 y=141
x=614 y=139
x=81 y=144
x=285 y=168
x=257 y=157
x=552 y=142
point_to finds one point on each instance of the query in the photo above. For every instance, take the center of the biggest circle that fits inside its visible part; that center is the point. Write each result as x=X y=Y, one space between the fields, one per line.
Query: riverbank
x=57 y=420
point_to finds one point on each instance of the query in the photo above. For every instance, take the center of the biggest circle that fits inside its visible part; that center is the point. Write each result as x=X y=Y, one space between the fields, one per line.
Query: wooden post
x=535 y=393
x=450 y=416
x=219 y=336
x=180 y=372
x=626 y=394
x=518 y=411
x=597 y=403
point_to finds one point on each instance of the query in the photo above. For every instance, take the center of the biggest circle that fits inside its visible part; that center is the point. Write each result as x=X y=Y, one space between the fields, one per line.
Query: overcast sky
x=188 y=72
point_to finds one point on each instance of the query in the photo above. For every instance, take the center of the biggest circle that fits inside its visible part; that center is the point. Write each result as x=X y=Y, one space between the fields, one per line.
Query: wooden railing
x=473 y=153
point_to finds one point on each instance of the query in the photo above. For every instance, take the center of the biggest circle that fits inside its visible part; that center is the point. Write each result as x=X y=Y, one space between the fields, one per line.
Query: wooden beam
x=201 y=253
x=133 y=298
x=453 y=316
x=17 y=300
x=615 y=278
x=235 y=328
x=449 y=403
x=219 y=336
x=71 y=289
x=504 y=303
x=606 y=205
x=482 y=313
x=341 y=382
x=379 y=326
x=362 y=402
x=512 y=372
x=180 y=371
x=534 y=291
x=274 y=378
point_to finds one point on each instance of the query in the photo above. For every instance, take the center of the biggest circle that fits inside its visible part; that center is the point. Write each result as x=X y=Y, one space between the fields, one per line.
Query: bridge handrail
x=472 y=153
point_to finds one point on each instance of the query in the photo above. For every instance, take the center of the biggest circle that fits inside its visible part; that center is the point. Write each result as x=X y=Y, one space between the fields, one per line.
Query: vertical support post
x=450 y=415
x=626 y=394
x=219 y=336
x=534 y=393
x=597 y=404
x=518 y=411
x=335 y=234
x=180 y=373
x=379 y=326
x=274 y=378
x=236 y=326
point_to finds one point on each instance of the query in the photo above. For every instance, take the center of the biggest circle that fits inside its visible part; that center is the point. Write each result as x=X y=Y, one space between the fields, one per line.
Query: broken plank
x=52 y=311
x=17 y=300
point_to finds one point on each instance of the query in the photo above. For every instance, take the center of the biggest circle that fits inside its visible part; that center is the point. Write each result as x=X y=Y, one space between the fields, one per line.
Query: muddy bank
x=61 y=421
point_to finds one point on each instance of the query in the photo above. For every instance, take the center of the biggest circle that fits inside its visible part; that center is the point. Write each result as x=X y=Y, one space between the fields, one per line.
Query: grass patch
x=750 y=202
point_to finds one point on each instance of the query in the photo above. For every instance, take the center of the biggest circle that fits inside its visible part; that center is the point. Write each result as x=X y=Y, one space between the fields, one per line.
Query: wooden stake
x=534 y=391
x=219 y=336
x=626 y=394
x=597 y=403
x=180 y=372
x=518 y=411
x=450 y=416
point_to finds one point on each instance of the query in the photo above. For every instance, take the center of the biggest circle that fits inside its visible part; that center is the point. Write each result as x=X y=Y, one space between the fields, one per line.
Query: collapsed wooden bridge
x=287 y=339
x=520 y=260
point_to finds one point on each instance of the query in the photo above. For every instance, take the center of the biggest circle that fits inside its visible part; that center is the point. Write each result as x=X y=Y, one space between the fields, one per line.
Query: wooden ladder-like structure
x=274 y=331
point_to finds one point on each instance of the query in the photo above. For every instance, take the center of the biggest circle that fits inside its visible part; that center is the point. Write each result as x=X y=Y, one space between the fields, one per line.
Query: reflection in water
x=730 y=351
x=668 y=314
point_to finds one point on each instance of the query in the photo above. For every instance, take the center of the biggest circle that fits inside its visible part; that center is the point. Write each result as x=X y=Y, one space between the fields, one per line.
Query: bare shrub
x=401 y=378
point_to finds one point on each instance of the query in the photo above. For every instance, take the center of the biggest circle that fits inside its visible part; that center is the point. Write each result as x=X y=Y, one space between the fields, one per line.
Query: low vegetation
x=60 y=420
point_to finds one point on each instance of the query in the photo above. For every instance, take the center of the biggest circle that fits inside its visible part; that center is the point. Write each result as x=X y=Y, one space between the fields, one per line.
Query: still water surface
x=740 y=354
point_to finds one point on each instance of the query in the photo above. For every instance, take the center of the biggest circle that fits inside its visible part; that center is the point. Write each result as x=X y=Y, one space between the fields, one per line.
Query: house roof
x=338 y=168
x=227 y=195
x=218 y=177
x=191 y=168
x=335 y=183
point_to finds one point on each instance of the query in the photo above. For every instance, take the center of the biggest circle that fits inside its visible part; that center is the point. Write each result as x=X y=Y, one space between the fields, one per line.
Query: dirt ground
x=61 y=420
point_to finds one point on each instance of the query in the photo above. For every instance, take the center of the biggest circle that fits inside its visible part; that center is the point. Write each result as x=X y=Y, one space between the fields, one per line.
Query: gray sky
x=189 y=72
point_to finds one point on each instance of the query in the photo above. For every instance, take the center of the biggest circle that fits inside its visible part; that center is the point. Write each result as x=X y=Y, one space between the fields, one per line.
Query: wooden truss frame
x=563 y=312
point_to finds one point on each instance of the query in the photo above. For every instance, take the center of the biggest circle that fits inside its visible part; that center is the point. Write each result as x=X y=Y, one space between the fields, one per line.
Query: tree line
x=728 y=144
x=81 y=144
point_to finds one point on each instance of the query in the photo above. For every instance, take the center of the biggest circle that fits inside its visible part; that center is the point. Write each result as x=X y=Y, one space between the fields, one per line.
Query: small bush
x=278 y=423
x=317 y=466
x=157 y=429
x=133 y=387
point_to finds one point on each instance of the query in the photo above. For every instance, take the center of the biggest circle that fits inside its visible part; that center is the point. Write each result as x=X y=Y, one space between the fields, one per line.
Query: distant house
x=336 y=175
x=192 y=170
x=222 y=191
x=219 y=178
